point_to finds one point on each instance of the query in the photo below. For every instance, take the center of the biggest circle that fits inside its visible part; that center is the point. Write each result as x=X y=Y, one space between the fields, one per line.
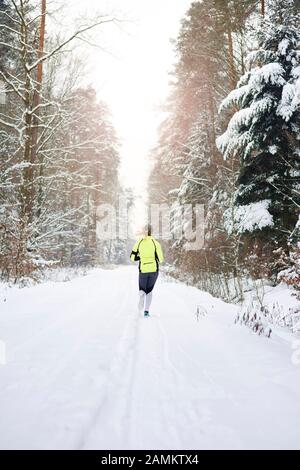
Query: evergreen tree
x=188 y=166
x=265 y=132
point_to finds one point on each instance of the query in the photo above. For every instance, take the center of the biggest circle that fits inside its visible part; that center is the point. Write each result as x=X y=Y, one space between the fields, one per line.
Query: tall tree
x=31 y=219
x=265 y=132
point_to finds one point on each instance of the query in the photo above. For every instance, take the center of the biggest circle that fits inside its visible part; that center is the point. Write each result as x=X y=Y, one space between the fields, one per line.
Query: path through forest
x=85 y=371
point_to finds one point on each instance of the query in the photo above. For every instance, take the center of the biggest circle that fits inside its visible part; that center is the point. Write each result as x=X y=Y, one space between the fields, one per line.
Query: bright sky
x=133 y=76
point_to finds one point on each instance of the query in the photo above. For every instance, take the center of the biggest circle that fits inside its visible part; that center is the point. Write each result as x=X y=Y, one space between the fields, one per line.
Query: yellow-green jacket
x=149 y=254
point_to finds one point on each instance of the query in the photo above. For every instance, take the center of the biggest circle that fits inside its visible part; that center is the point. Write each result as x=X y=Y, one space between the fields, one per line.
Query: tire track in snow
x=184 y=410
x=165 y=389
x=119 y=381
x=152 y=364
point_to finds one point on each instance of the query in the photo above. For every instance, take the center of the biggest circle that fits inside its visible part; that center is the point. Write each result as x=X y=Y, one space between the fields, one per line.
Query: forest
x=230 y=140
x=59 y=151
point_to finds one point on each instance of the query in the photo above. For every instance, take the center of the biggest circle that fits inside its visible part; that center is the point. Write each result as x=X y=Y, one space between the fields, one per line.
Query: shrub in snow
x=288 y=318
x=200 y=312
x=291 y=275
x=290 y=265
x=253 y=316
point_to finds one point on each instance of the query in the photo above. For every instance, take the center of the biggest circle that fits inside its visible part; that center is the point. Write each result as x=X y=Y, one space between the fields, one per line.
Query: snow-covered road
x=84 y=371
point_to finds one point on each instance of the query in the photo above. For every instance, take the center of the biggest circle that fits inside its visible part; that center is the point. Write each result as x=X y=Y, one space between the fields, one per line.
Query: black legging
x=147 y=281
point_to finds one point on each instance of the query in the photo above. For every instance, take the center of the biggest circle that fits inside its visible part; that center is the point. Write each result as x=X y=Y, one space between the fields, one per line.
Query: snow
x=85 y=371
x=282 y=298
x=273 y=149
x=272 y=73
x=234 y=97
x=283 y=46
x=250 y=217
x=296 y=72
x=250 y=89
x=236 y=136
x=279 y=303
x=290 y=100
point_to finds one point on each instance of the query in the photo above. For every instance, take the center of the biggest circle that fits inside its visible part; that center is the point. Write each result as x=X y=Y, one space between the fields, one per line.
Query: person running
x=149 y=253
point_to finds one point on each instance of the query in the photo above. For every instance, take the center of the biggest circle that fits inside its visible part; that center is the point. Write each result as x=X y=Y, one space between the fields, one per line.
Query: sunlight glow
x=132 y=77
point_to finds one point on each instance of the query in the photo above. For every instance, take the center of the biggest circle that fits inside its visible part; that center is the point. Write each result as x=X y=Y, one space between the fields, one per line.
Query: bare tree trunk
x=215 y=153
x=231 y=58
x=37 y=98
x=39 y=79
x=232 y=70
x=26 y=189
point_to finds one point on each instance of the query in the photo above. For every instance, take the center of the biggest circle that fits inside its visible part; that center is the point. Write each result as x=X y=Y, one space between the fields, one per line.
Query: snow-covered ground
x=85 y=371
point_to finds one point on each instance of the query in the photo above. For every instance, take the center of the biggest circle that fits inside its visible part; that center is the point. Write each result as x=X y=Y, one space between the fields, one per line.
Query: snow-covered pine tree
x=265 y=133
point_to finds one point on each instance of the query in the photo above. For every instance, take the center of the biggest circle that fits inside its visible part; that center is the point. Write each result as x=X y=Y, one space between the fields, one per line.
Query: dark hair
x=147 y=229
